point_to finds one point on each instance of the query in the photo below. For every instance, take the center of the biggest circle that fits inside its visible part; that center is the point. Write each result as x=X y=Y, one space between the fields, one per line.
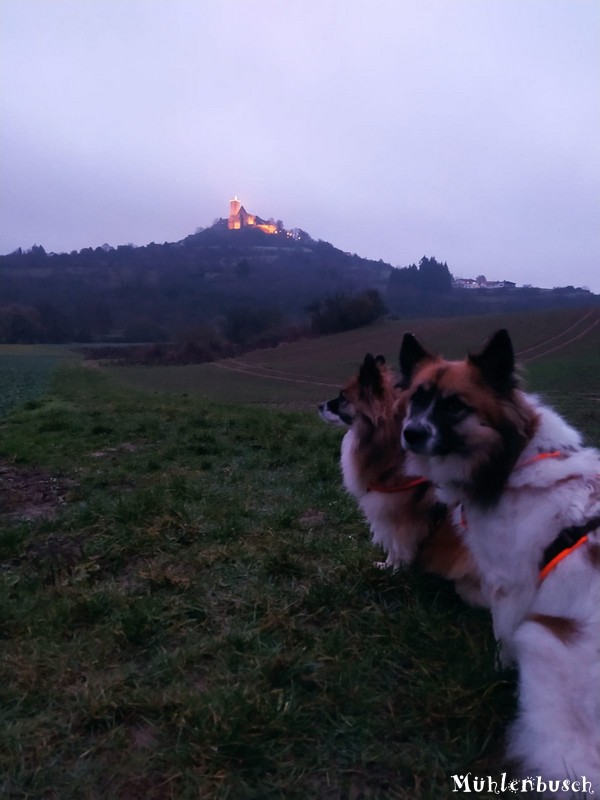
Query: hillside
x=156 y=291
x=559 y=352
x=160 y=291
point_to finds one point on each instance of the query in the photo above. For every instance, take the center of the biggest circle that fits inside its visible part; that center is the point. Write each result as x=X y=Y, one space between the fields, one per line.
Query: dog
x=531 y=497
x=403 y=515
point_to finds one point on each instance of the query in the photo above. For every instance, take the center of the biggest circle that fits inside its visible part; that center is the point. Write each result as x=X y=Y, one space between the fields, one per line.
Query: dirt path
x=543 y=348
x=244 y=369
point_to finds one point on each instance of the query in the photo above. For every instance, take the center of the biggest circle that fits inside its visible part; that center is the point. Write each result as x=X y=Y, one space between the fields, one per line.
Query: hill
x=154 y=292
x=160 y=292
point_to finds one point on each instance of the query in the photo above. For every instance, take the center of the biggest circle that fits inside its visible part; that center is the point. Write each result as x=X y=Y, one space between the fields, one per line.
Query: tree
x=404 y=277
x=20 y=325
x=244 y=324
x=434 y=277
x=342 y=312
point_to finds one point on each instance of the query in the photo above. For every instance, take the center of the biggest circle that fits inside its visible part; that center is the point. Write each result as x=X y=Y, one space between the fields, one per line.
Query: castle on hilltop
x=240 y=218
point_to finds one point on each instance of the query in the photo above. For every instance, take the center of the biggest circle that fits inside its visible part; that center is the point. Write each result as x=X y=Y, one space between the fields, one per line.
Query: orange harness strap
x=409 y=483
x=539 y=457
x=563 y=554
x=568 y=549
x=567 y=541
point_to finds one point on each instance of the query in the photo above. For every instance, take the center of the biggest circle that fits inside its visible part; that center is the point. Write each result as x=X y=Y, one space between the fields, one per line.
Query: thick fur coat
x=522 y=476
x=404 y=516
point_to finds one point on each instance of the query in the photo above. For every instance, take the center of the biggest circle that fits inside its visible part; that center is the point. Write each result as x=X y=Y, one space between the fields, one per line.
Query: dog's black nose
x=322 y=407
x=415 y=436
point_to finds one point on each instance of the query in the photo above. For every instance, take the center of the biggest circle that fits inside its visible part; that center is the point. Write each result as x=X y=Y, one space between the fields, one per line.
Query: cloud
x=449 y=127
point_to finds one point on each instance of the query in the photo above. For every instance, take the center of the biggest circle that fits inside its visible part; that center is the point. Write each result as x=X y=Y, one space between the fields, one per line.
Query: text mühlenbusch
x=471 y=783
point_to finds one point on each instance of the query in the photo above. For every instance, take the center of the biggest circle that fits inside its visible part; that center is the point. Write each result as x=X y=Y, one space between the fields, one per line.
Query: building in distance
x=239 y=218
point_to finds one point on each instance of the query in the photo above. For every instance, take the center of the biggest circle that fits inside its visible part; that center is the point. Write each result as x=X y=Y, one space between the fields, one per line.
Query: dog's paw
x=383 y=565
x=395 y=566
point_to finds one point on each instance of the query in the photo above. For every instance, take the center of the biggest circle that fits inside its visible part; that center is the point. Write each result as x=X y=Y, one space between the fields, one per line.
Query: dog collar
x=403 y=486
x=567 y=541
x=538 y=457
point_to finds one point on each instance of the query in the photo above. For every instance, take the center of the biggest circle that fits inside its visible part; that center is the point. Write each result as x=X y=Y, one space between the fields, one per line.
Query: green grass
x=25 y=372
x=301 y=374
x=572 y=386
x=203 y=619
x=22 y=378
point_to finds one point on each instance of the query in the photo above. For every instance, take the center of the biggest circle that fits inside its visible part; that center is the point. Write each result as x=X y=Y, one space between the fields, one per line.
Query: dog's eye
x=454 y=405
x=422 y=396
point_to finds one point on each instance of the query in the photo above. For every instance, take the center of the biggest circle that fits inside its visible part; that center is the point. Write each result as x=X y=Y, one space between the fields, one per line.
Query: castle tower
x=234 y=207
x=234 y=222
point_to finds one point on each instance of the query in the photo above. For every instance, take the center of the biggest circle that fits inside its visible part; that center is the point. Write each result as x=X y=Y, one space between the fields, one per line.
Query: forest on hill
x=219 y=288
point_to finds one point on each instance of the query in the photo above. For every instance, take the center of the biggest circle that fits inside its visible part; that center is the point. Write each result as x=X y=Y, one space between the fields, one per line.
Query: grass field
x=25 y=372
x=194 y=613
x=559 y=352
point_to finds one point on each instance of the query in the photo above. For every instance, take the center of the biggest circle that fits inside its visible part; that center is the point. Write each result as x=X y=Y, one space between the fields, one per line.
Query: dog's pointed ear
x=369 y=376
x=412 y=353
x=496 y=362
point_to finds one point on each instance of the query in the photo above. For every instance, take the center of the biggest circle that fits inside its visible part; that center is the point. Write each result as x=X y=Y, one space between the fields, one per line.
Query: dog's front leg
x=509 y=604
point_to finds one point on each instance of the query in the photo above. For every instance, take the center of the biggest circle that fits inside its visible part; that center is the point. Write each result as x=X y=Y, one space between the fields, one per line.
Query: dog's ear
x=412 y=353
x=369 y=376
x=496 y=362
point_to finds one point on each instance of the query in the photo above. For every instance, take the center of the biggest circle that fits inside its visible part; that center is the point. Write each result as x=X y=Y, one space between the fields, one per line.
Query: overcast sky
x=463 y=129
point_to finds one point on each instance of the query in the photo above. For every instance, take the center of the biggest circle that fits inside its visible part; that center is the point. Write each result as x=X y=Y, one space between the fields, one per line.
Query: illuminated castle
x=239 y=218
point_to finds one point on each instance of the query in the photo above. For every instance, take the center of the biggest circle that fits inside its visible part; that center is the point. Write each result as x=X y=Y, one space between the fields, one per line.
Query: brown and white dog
x=404 y=517
x=531 y=496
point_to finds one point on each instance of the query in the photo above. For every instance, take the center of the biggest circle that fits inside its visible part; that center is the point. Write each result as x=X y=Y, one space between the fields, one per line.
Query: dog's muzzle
x=331 y=417
x=417 y=438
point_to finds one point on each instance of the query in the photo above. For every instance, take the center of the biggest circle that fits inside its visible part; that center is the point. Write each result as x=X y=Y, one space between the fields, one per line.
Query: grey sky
x=463 y=129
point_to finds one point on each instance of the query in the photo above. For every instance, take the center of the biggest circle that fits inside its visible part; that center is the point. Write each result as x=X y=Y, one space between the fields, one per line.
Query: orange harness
x=563 y=554
x=408 y=483
x=567 y=541
x=539 y=457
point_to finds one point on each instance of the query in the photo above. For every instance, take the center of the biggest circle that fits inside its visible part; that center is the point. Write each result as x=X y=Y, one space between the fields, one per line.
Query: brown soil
x=29 y=493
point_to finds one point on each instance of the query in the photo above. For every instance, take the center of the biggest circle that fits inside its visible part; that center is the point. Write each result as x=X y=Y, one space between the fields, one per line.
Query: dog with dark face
x=531 y=497
x=404 y=517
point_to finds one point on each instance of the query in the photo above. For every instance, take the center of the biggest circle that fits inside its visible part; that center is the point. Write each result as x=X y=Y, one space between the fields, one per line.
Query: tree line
x=247 y=288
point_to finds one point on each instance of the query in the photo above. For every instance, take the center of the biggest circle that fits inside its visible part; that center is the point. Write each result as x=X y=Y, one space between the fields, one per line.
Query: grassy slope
x=205 y=642
x=302 y=372
x=566 y=369
x=202 y=620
